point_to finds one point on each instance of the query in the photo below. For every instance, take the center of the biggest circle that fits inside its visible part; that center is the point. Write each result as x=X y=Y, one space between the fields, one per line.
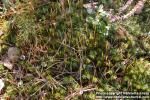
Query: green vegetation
x=71 y=54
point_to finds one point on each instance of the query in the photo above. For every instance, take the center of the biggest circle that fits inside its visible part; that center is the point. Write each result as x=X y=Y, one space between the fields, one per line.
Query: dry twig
x=80 y=92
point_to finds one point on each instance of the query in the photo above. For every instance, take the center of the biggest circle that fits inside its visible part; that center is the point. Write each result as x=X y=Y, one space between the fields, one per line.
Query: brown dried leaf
x=7 y=63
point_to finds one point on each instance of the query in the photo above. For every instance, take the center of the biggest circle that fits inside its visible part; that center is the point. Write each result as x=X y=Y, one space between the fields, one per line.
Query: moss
x=68 y=52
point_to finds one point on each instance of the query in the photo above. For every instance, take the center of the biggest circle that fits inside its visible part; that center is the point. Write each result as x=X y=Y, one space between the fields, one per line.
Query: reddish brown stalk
x=62 y=3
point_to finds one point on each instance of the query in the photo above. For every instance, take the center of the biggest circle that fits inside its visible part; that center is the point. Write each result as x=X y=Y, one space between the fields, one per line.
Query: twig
x=137 y=9
x=79 y=92
x=122 y=9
